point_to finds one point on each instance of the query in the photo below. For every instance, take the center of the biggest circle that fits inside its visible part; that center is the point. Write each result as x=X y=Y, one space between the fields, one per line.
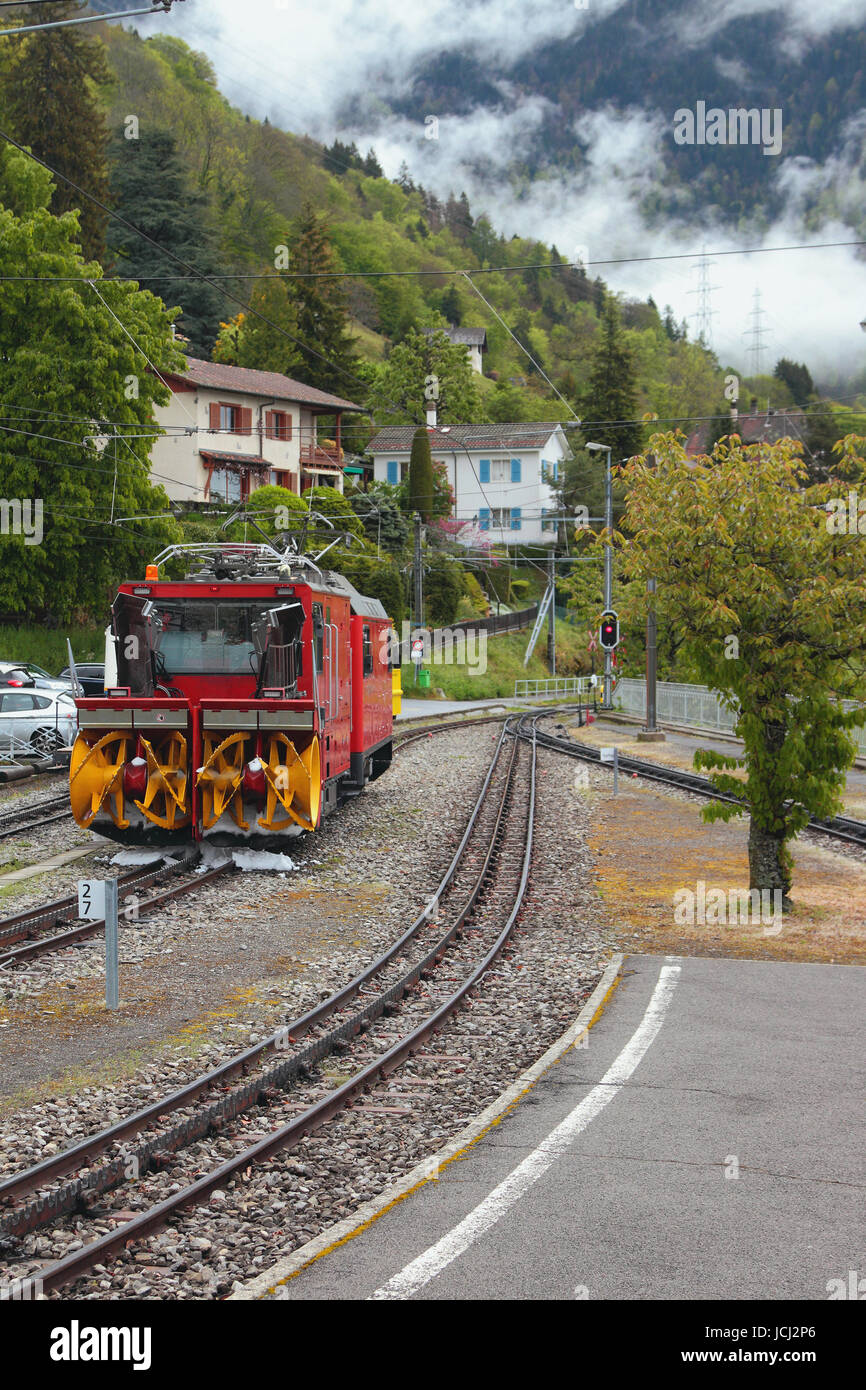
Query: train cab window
x=368 y=651
x=319 y=635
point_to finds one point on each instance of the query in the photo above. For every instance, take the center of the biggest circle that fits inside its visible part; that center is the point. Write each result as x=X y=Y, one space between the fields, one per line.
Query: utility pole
x=607 y=695
x=551 y=620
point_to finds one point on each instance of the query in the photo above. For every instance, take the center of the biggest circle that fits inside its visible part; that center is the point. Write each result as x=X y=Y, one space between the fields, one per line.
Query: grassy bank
x=48 y=649
x=504 y=666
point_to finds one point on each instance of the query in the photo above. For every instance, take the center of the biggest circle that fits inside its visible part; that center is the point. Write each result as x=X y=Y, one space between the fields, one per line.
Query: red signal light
x=608 y=632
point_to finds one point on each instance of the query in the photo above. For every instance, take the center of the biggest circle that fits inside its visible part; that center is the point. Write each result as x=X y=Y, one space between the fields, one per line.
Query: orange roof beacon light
x=152 y=572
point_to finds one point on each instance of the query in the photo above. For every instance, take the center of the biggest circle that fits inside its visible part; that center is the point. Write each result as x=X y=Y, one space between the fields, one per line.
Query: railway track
x=371 y=1026
x=22 y=818
x=35 y=926
x=838 y=828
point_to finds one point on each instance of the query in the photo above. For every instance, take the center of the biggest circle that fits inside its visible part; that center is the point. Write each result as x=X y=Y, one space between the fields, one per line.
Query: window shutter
x=515 y=518
x=214 y=415
x=556 y=470
x=484 y=466
x=484 y=518
x=287 y=426
x=392 y=472
x=245 y=416
x=515 y=470
x=269 y=425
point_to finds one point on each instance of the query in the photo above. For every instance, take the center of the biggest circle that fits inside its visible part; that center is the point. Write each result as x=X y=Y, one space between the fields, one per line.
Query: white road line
x=420 y=1271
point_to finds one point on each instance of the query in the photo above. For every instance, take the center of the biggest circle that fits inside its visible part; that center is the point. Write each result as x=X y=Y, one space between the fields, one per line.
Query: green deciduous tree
x=443 y=588
x=73 y=371
x=263 y=338
x=770 y=604
x=426 y=363
x=379 y=512
x=49 y=96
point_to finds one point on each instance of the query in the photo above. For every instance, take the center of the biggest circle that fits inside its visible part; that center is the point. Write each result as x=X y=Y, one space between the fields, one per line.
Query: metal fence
x=553 y=686
x=678 y=703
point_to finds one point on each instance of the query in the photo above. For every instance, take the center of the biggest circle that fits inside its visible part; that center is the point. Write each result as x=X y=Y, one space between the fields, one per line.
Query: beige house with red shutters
x=229 y=430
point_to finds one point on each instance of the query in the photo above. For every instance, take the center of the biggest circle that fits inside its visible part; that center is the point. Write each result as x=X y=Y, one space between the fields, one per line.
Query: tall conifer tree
x=52 y=107
x=154 y=192
x=421 y=475
x=610 y=403
x=321 y=308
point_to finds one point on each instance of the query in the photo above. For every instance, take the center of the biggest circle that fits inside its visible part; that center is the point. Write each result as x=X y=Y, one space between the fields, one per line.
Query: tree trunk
x=768 y=862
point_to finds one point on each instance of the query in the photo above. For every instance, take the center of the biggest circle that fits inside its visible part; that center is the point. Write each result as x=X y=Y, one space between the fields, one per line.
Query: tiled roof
x=242 y=460
x=756 y=428
x=472 y=337
x=397 y=439
x=252 y=383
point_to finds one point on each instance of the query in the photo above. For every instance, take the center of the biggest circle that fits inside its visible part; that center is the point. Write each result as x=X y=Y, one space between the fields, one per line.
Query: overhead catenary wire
x=442 y=270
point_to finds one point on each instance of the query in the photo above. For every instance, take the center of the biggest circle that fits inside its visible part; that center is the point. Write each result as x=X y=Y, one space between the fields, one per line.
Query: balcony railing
x=312 y=456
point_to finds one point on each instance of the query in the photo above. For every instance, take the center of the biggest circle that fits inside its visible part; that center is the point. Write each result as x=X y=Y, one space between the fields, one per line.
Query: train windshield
x=160 y=642
x=202 y=638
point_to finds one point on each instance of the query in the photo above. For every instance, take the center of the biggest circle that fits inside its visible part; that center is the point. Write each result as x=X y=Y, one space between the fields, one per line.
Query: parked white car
x=43 y=719
x=40 y=678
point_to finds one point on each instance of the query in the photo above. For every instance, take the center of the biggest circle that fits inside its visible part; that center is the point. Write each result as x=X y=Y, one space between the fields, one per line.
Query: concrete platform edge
x=428 y=1171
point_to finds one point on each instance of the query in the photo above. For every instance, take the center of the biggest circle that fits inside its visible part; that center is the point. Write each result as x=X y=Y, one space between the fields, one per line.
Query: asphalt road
x=708 y=1143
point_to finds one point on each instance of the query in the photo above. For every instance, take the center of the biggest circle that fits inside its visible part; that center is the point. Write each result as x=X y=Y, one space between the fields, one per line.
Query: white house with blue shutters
x=501 y=475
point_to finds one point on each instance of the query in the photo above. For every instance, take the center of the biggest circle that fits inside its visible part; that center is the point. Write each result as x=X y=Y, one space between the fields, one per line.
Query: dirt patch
x=651 y=848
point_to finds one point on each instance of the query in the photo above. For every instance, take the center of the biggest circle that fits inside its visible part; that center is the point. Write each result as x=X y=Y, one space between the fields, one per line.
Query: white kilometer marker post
x=611 y=755
x=417 y=1274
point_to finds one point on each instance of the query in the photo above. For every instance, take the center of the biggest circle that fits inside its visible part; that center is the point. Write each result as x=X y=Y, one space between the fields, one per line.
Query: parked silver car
x=44 y=720
x=40 y=678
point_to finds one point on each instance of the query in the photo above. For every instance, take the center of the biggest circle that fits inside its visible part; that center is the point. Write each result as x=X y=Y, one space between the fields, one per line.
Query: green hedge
x=48 y=648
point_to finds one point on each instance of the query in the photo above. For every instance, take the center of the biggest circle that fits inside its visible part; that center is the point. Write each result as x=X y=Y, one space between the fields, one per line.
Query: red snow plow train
x=247 y=700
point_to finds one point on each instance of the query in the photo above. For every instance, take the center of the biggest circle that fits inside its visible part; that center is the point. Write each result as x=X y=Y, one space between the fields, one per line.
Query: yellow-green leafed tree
x=767 y=590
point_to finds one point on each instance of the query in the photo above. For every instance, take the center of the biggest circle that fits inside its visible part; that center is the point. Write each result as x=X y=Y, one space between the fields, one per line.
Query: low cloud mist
x=301 y=66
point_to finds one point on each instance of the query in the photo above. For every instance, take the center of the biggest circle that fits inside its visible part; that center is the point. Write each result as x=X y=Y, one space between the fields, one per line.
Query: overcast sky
x=297 y=63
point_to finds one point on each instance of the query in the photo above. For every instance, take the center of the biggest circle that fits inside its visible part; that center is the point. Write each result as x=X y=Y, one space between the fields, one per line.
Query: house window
x=230 y=419
x=225 y=485
x=549 y=471
x=501 y=470
x=547 y=523
x=278 y=424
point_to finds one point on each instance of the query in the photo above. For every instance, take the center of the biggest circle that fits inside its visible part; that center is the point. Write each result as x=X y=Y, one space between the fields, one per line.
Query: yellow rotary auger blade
x=96 y=778
x=220 y=780
x=295 y=783
x=166 y=778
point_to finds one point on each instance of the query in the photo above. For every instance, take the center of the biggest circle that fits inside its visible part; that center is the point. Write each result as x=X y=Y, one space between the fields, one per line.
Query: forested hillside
x=250 y=181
